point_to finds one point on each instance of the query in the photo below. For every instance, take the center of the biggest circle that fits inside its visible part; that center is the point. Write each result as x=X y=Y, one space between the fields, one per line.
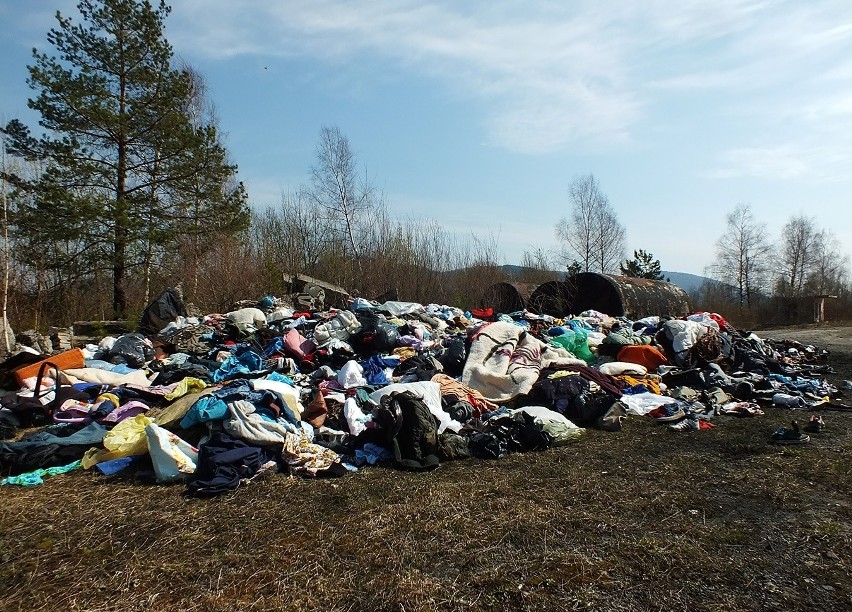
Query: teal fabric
x=36 y=477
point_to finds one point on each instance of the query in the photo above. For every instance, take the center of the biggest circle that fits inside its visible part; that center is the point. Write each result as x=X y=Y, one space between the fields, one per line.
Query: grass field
x=641 y=519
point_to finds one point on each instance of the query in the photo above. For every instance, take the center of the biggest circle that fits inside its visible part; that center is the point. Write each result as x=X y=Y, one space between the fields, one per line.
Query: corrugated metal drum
x=553 y=298
x=626 y=296
x=507 y=297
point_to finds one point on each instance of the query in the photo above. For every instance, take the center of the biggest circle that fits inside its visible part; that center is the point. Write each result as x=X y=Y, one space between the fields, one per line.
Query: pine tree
x=119 y=149
x=643 y=265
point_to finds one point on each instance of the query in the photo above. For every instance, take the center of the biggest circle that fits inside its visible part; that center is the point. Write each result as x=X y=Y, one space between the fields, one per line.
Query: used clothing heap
x=219 y=401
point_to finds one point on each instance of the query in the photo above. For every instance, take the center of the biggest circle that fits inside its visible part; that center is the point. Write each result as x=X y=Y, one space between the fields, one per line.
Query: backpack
x=412 y=433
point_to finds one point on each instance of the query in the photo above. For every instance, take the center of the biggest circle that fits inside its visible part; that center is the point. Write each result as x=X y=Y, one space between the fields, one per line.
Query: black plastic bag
x=454 y=356
x=131 y=349
x=162 y=311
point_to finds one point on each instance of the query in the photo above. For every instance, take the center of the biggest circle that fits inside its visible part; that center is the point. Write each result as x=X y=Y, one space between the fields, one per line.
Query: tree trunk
x=6 y=346
x=119 y=294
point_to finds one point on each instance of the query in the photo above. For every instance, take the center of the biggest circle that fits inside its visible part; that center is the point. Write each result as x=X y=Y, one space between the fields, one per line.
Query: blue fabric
x=92 y=434
x=278 y=377
x=372 y=454
x=235 y=365
x=374 y=368
x=241 y=389
x=100 y=364
x=223 y=461
x=114 y=466
x=640 y=388
x=276 y=346
x=207 y=408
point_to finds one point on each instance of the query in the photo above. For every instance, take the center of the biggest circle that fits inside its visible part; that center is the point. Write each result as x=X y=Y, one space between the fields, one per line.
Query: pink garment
x=125 y=411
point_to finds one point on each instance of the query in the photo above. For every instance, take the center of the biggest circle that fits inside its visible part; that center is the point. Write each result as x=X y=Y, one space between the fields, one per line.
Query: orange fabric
x=643 y=354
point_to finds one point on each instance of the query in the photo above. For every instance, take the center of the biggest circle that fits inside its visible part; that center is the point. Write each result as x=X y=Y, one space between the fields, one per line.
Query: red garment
x=723 y=324
x=483 y=313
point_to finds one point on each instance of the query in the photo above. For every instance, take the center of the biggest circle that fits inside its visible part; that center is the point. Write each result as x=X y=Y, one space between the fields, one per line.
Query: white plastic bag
x=173 y=458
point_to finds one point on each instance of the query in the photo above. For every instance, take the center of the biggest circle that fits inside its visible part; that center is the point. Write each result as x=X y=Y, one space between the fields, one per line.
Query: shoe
x=815 y=425
x=691 y=424
x=667 y=413
x=790 y=436
x=686 y=425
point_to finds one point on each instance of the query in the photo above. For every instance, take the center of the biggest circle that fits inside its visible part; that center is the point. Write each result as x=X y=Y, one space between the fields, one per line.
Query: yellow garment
x=187 y=385
x=562 y=374
x=108 y=396
x=404 y=352
x=124 y=440
x=175 y=411
x=652 y=382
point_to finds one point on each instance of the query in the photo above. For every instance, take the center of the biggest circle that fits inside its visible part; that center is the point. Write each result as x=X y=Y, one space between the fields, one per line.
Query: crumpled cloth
x=306 y=458
x=31 y=479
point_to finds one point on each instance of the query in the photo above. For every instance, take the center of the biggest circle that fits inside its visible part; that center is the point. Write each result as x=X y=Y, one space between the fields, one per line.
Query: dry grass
x=642 y=519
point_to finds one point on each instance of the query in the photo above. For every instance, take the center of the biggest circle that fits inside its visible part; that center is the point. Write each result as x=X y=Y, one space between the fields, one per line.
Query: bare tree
x=294 y=235
x=829 y=271
x=609 y=241
x=743 y=255
x=7 y=347
x=592 y=235
x=536 y=267
x=336 y=187
x=797 y=254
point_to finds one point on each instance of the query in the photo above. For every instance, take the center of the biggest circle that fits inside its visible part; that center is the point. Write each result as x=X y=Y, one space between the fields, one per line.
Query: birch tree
x=743 y=255
x=592 y=234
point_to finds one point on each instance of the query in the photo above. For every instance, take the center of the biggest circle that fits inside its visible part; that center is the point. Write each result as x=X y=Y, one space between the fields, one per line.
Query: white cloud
x=551 y=76
x=545 y=81
x=784 y=162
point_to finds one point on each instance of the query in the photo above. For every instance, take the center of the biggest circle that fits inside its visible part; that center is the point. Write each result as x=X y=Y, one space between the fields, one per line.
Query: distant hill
x=684 y=280
x=518 y=271
x=687 y=282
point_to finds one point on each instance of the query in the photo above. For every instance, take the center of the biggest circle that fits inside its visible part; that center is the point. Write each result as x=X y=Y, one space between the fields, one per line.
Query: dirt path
x=835 y=339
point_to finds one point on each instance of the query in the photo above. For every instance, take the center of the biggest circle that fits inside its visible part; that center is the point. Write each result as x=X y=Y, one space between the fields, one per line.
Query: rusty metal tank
x=507 y=297
x=626 y=296
x=552 y=298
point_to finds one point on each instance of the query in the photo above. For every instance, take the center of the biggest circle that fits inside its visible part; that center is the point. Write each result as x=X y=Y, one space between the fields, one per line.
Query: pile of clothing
x=218 y=401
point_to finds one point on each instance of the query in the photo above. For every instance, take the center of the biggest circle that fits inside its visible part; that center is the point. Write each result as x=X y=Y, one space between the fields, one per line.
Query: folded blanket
x=504 y=361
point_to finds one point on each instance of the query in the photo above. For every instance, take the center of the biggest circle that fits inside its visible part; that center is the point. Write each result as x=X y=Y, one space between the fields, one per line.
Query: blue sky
x=479 y=114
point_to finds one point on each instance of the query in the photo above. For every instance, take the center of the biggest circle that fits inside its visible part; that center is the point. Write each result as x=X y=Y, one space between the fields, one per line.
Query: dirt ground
x=836 y=338
x=645 y=518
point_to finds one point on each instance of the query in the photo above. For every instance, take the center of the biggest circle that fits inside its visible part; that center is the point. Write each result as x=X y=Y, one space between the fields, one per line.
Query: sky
x=479 y=114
